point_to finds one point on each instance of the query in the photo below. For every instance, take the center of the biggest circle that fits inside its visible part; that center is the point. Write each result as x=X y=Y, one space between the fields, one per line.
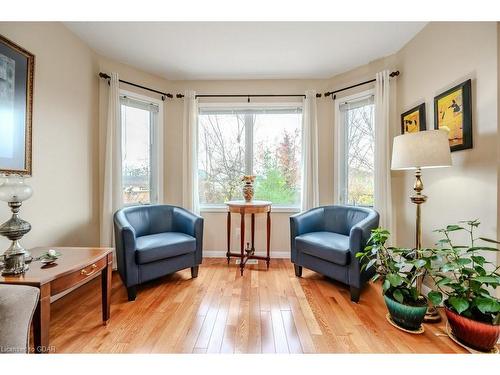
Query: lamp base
x=16 y=248
x=14 y=229
x=14 y=264
x=432 y=315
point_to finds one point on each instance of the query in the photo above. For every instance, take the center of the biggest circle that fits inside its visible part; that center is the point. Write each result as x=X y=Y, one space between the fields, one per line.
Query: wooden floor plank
x=265 y=311
x=292 y=337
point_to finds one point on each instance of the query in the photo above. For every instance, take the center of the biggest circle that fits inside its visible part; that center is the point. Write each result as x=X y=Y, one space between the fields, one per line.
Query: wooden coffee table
x=75 y=266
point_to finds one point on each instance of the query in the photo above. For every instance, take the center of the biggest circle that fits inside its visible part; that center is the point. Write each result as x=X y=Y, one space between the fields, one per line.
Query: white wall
x=64 y=206
x=439 y=57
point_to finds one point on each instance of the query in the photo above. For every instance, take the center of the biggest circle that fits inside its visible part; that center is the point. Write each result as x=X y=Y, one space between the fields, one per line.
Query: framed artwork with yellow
x=453 y=113
x=413 y=120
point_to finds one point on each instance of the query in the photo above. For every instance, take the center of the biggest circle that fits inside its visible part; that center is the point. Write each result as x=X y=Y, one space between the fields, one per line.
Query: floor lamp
x=423 y=149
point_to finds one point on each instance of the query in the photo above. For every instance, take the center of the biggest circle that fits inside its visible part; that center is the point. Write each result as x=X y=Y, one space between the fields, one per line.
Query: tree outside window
x=265 y=142
x=360 y=142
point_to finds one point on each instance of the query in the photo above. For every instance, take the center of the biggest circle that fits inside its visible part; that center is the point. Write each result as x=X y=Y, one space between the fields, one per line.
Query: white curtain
x=112 y=199
x=383 y=140
x=310 y=182
x=190 y=197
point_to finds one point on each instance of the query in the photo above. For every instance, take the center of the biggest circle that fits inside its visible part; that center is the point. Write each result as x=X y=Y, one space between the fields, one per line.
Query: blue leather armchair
x=326 y=240
x=156 y=240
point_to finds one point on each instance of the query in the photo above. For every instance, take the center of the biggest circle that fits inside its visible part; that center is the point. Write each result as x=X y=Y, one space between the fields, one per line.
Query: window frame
x=249 y=145
x=340 y=170
x=156 y=148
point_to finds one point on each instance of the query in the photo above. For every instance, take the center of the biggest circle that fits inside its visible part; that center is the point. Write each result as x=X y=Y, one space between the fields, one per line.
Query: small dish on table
x=49 y=257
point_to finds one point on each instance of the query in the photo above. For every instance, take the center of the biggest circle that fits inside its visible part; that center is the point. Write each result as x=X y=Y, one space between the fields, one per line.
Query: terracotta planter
x=474 y=334
x=405 y=316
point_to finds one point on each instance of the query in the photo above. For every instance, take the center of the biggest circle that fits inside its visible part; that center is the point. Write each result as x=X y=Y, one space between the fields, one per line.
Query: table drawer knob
x=87 y=273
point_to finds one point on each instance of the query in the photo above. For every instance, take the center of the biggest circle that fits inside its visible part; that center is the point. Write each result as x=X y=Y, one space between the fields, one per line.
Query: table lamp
x=14 y=191
x=424 y=149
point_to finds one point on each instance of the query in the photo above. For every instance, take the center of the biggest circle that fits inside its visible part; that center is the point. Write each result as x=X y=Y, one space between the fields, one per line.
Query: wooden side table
x=252 y=208
x=75 y=266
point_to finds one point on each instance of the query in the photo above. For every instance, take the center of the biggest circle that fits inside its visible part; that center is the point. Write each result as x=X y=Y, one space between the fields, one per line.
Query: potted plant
x=398 y=269
x=463 y=281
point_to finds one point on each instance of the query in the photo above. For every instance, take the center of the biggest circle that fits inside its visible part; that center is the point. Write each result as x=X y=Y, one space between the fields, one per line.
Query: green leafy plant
x=397 y=268
x=464 y=278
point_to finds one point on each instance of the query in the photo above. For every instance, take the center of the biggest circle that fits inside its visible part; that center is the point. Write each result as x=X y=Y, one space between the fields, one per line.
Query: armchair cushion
x=17 y=305
x=154 y=247
x=329 y=246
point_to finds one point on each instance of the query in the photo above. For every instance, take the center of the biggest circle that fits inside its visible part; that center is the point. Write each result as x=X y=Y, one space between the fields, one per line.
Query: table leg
x=41 y=321
x=268 y=239
x=228 y=236
x=106 y=289
x=253 y=232
x=242 y=242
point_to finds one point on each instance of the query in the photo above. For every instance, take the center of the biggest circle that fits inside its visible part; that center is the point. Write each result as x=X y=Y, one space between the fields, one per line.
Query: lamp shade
x=424 y=149
x=14 y=189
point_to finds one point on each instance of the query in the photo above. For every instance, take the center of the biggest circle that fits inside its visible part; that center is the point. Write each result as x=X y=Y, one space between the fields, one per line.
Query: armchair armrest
x=125 y=245
x=358 y=237
x=306 y=222
x=124 y=232
x=186 y=222
x=191 y=224
x=360 y=232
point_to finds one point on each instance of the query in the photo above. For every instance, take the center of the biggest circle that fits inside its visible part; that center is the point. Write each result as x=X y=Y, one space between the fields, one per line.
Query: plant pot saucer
x=495 y=349
x=419 y=331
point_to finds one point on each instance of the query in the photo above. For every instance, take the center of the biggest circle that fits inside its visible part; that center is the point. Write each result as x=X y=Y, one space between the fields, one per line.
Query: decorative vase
x=476 y=335
x=248 y=187
x=406 y=316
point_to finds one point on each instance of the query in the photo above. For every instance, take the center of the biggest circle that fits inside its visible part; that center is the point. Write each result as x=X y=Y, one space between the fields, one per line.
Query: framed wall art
x=413 y=120
x=16 y=107
x=453 y=113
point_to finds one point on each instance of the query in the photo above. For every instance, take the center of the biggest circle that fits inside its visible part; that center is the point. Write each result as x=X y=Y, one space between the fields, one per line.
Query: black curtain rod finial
x=163 y=94
x=179 y=96
x=392 y=74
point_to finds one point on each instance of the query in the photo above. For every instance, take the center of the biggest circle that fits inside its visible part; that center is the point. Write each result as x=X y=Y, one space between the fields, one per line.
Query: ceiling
x=245 y=50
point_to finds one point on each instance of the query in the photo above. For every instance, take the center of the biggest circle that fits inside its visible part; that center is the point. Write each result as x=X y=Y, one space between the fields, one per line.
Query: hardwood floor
x=221 y=312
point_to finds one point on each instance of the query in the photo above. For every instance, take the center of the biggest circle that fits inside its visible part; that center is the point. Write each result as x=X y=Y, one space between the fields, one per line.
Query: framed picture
x=453 y=113
x=16 y=107
x=413 y=121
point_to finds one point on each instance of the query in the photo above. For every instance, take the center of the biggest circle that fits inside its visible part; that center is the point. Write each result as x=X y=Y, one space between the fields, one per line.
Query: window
x=264 y=141
x=355 y=150
x=140 y=177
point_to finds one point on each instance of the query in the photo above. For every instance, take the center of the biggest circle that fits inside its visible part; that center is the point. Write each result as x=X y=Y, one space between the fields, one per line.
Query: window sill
x=275 y=209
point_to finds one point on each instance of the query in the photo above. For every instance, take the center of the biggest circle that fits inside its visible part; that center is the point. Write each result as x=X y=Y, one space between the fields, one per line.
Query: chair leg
x=132 y=293
x=194 y=271
x=355 y=294
x=298 y=270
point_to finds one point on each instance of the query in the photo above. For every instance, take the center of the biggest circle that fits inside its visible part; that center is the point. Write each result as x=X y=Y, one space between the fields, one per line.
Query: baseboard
x=222 y=254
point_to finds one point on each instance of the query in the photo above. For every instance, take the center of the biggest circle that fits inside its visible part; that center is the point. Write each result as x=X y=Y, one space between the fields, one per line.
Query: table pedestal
x=251 y=208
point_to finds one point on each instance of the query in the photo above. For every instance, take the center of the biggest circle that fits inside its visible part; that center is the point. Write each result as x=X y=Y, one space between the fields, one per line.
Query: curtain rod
x=393 y=74
x=246 y=95
x=163 y=94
